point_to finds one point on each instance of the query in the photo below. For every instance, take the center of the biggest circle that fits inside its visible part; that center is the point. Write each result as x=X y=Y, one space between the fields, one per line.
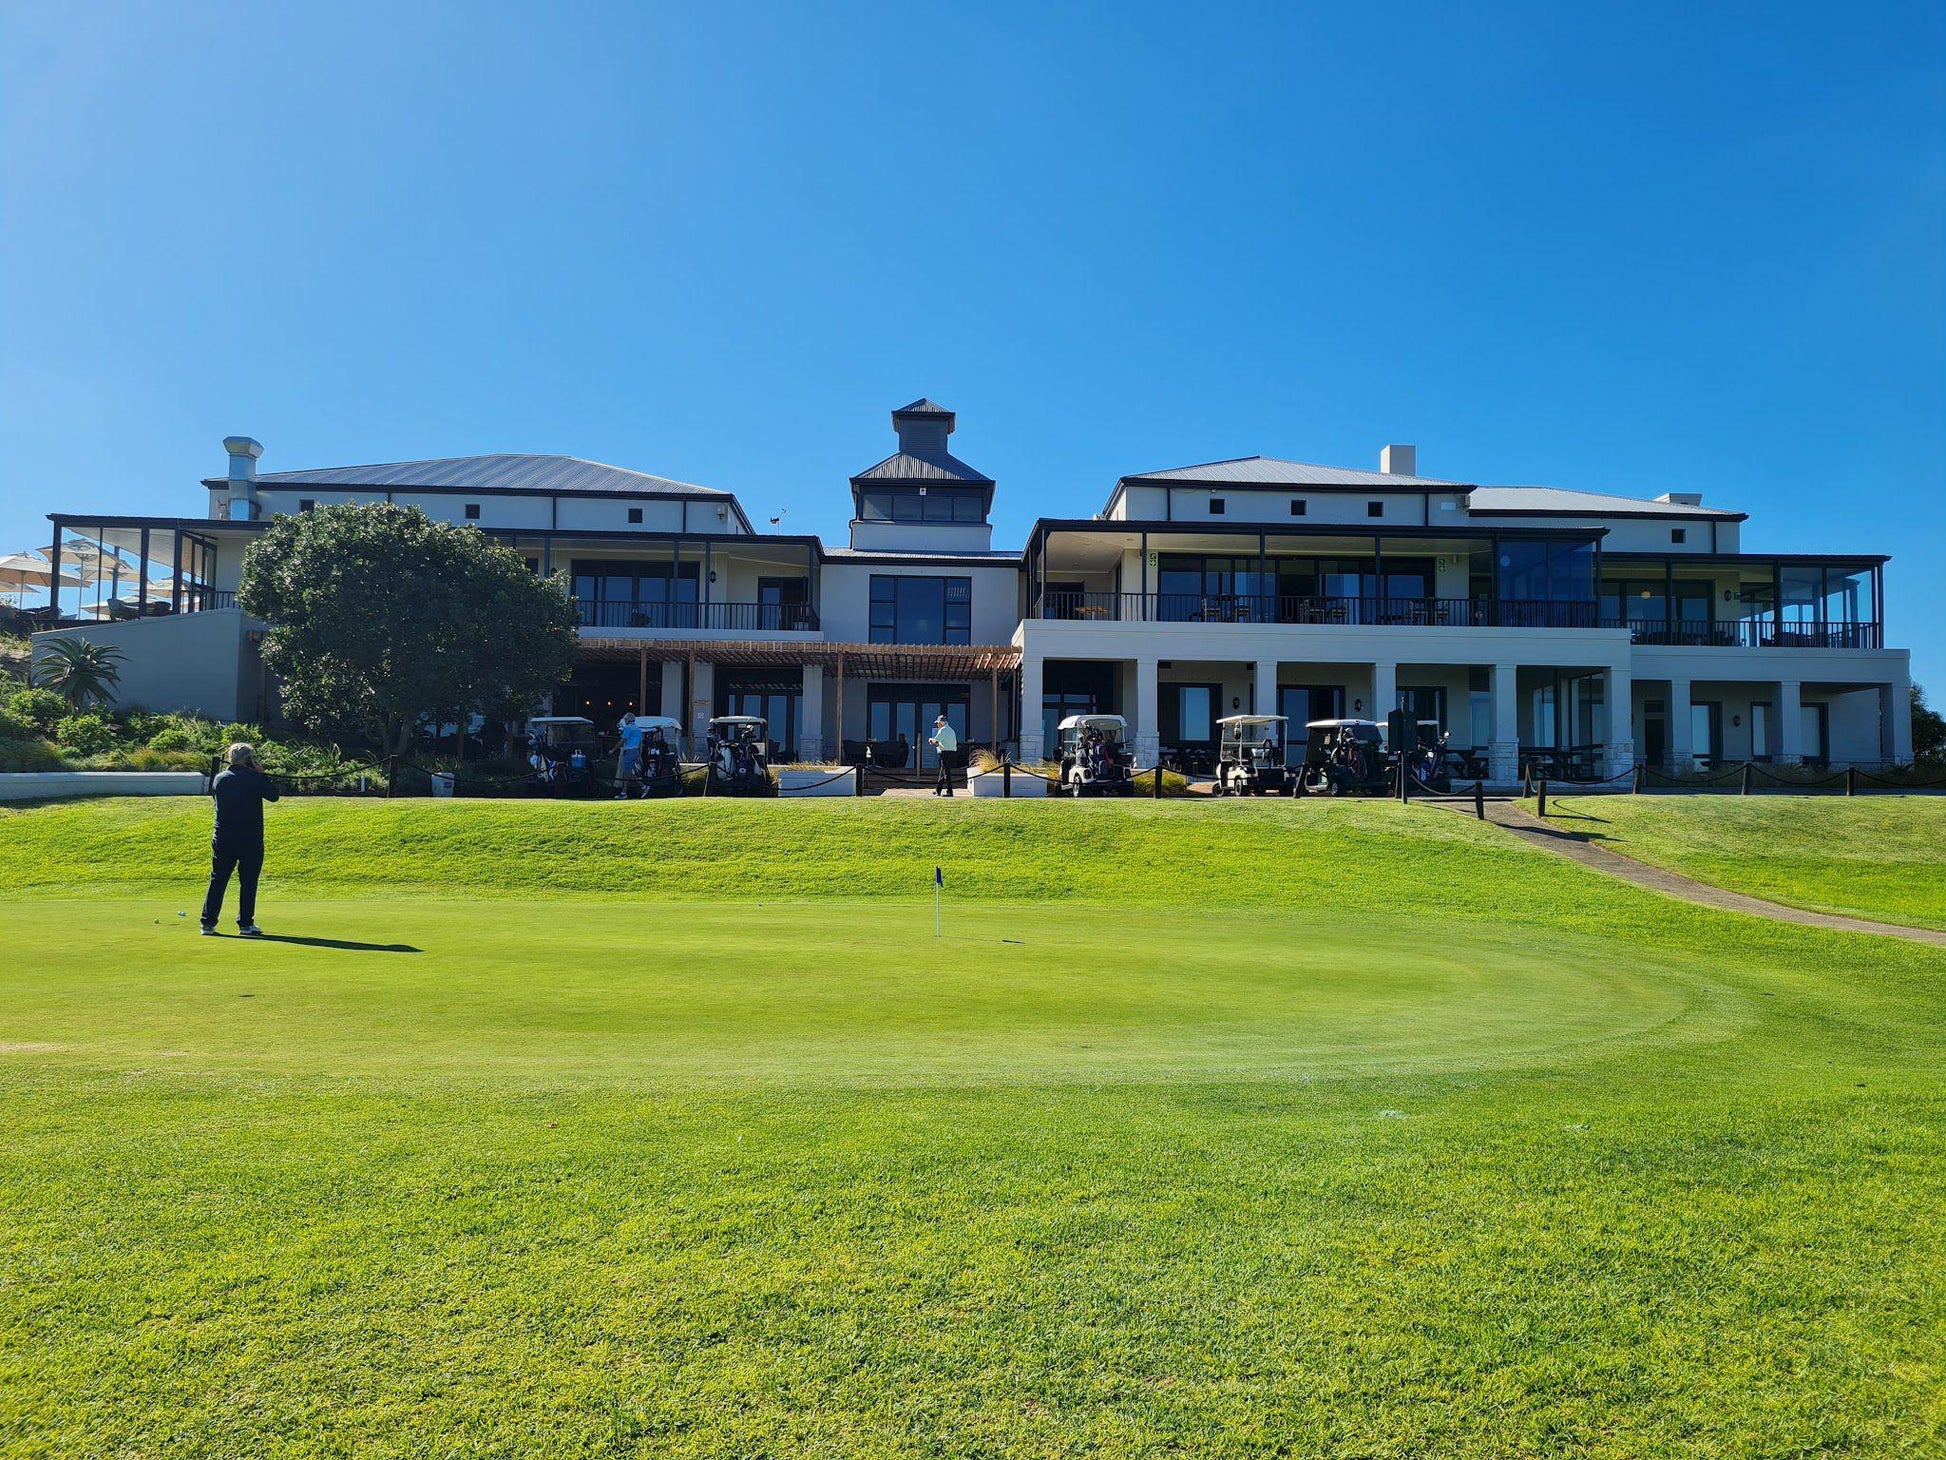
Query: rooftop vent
x=1681 y=499
x=1399 y=461
x=923 y=428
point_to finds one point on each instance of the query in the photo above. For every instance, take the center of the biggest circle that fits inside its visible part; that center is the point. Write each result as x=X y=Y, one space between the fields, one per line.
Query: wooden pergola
x=922 y=662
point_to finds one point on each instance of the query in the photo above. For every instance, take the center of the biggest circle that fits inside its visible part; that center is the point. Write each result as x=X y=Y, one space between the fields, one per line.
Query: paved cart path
x=1530 y=828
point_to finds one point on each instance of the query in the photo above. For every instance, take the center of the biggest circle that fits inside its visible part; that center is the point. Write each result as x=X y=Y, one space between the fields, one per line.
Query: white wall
x=847 y=597
x=198 y=662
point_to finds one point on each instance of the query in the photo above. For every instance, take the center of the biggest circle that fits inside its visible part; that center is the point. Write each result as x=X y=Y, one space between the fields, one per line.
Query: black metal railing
x=1749 y=633
x=722 y=617
x=1240 y=608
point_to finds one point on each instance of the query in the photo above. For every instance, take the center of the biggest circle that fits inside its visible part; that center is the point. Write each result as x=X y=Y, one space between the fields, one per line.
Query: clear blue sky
x=1625 y=248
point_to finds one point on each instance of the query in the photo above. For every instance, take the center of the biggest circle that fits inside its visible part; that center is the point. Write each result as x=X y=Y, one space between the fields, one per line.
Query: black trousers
x=247 y=862
x=945 y=781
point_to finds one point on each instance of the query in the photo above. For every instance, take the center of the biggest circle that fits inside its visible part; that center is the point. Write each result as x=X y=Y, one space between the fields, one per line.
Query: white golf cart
x=1344 y=758
x=739 y=756
x=659 y=762
x=560 y=752
x=1095 y=758
x=1250 y=756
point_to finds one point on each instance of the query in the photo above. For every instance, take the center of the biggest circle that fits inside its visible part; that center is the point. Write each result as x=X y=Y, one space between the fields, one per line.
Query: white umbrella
x=21 y=571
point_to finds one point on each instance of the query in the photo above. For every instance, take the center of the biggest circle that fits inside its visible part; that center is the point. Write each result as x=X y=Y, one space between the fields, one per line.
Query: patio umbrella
x=21 y=571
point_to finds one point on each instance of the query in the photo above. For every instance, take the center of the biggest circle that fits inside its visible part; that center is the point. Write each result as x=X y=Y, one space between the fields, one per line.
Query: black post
x=1405 y=778
x=391 y=776
x=1851 y=780
x=1743 y=788
x=1158 y=782
x=1007 y=776
x=1636 y=788
x=1527 y=780
x=1542 y=808
x=1480 y=799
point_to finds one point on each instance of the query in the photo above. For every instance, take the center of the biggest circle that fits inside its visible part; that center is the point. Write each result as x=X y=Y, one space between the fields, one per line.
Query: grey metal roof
x=995 y=557
x=1271 y=471
x=504 y=471
x=922 y=407
x=1566 y=503
x=904 y=467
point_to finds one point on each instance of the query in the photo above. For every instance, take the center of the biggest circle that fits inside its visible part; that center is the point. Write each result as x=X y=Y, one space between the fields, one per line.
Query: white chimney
x=242 y=504
x=1681 y=499
x=1399 y=461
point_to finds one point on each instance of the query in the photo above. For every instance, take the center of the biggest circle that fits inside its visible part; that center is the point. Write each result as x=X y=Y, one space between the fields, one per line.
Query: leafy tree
x=81 y=673
x=380 y=616
x=1928 y=729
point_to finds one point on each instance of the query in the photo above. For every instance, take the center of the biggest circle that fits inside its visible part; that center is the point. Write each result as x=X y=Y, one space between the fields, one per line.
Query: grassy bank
x=626 y=1130
x=1869 y=856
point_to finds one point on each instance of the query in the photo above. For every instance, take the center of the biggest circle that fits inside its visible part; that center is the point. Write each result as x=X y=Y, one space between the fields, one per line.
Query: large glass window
x=911 y=504
x=1534 y=572
x=635 y=594
x=921 y=610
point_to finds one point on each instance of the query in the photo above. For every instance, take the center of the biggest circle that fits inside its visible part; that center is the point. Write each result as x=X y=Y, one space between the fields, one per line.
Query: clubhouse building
x=1594 y=630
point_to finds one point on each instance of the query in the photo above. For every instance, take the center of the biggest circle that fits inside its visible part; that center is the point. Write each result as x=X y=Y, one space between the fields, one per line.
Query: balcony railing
x=1228 y=608
x=1237 y=608
x=1753 y=633
x=777 y=618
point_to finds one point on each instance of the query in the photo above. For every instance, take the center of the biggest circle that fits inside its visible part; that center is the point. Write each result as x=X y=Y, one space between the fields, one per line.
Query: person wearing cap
x=947 y=744
x=237 y=843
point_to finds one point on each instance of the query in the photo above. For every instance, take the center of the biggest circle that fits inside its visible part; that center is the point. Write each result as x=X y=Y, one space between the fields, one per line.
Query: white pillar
x=1895 y=722
x=1385 y=691
x=810 y=735
x=1503 y=754
x=1618 y=689
x=671 y=701
x=1790 y=723
x=1148 y=721
x=1031 y=749
x=1682 y=754
x=1266 y=690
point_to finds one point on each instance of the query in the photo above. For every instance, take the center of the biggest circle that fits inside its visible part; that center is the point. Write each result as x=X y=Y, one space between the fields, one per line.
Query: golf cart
x=1431 y=763
x=1250 y=756
x=660 y=759
x=1344 y=758
x=1095 y=758
x=739 y=756
x=560 y=752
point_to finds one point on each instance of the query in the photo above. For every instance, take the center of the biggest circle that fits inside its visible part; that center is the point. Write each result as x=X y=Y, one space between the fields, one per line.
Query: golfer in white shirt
x=947 y=744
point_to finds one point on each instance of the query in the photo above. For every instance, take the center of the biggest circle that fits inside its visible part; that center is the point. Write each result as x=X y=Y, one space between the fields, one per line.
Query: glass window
x=921 y=610
x=1571 y=571
x=966 y=508
x=1848 y=596
x=875 y=506
x=1803 y=594
x=1523 y=571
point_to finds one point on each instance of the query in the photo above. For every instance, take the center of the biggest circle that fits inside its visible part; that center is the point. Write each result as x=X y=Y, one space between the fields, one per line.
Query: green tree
x=380 y=616
x=79 y=672
x=1928 y=730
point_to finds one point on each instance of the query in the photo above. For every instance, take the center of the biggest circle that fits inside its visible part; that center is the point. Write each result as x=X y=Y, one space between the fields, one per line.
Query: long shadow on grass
x=329 y=943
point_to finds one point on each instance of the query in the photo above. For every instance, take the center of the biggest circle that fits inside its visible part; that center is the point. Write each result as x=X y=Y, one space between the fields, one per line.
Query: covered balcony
x=1745 y=601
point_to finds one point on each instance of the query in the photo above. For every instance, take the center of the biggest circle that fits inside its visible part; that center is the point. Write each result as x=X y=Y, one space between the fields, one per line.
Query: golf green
x=1228 y=1129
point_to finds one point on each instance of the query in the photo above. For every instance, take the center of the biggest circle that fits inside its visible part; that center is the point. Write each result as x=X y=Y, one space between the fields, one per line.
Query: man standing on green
x=237 y=844
x=946 y=743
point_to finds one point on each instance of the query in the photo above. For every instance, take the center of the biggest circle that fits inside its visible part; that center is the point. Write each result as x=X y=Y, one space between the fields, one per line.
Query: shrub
x=87 y=734
x=30 y=755
x=175 y=737
x=41 y=708
x=14 y=727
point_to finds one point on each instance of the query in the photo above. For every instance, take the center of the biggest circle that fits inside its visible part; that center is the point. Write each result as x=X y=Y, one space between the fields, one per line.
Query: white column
x=1148 y=721
x=671 y=671
x=1618 y=690
x=1790 y=723
x=1895 y=721
x=810 y=735
x=1503 y=755
x=1682 y=754
x=1385 y=691
x=1266 y=701
x=1031 y=748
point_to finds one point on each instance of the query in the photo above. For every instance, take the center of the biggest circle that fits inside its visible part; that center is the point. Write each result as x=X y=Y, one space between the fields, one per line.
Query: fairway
x=1227 y=1129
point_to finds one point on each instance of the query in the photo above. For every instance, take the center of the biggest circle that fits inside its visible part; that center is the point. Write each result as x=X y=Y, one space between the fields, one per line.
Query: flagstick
x=935 y=909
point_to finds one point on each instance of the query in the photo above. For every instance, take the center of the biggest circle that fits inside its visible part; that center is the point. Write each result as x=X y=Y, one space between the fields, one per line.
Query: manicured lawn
x=1869 y=856
x=1211 y=1129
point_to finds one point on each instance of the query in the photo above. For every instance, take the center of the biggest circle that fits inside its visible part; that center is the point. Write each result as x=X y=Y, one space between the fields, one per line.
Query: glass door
x=901 y=719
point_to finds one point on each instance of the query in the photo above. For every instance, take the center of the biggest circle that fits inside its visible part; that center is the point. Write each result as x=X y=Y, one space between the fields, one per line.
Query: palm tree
x=79 y=672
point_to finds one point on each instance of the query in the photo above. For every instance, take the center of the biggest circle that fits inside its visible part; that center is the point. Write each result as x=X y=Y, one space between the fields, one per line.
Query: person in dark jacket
x=237 y=844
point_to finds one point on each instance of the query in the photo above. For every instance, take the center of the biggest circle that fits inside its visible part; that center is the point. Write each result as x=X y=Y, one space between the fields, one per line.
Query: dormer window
x=1298 y=506
x=1217 y=506
x=921 y=504
x=634 y=514
x=1678 y=534
x=1374 y=509
x=472 y=511
x=306 y=504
